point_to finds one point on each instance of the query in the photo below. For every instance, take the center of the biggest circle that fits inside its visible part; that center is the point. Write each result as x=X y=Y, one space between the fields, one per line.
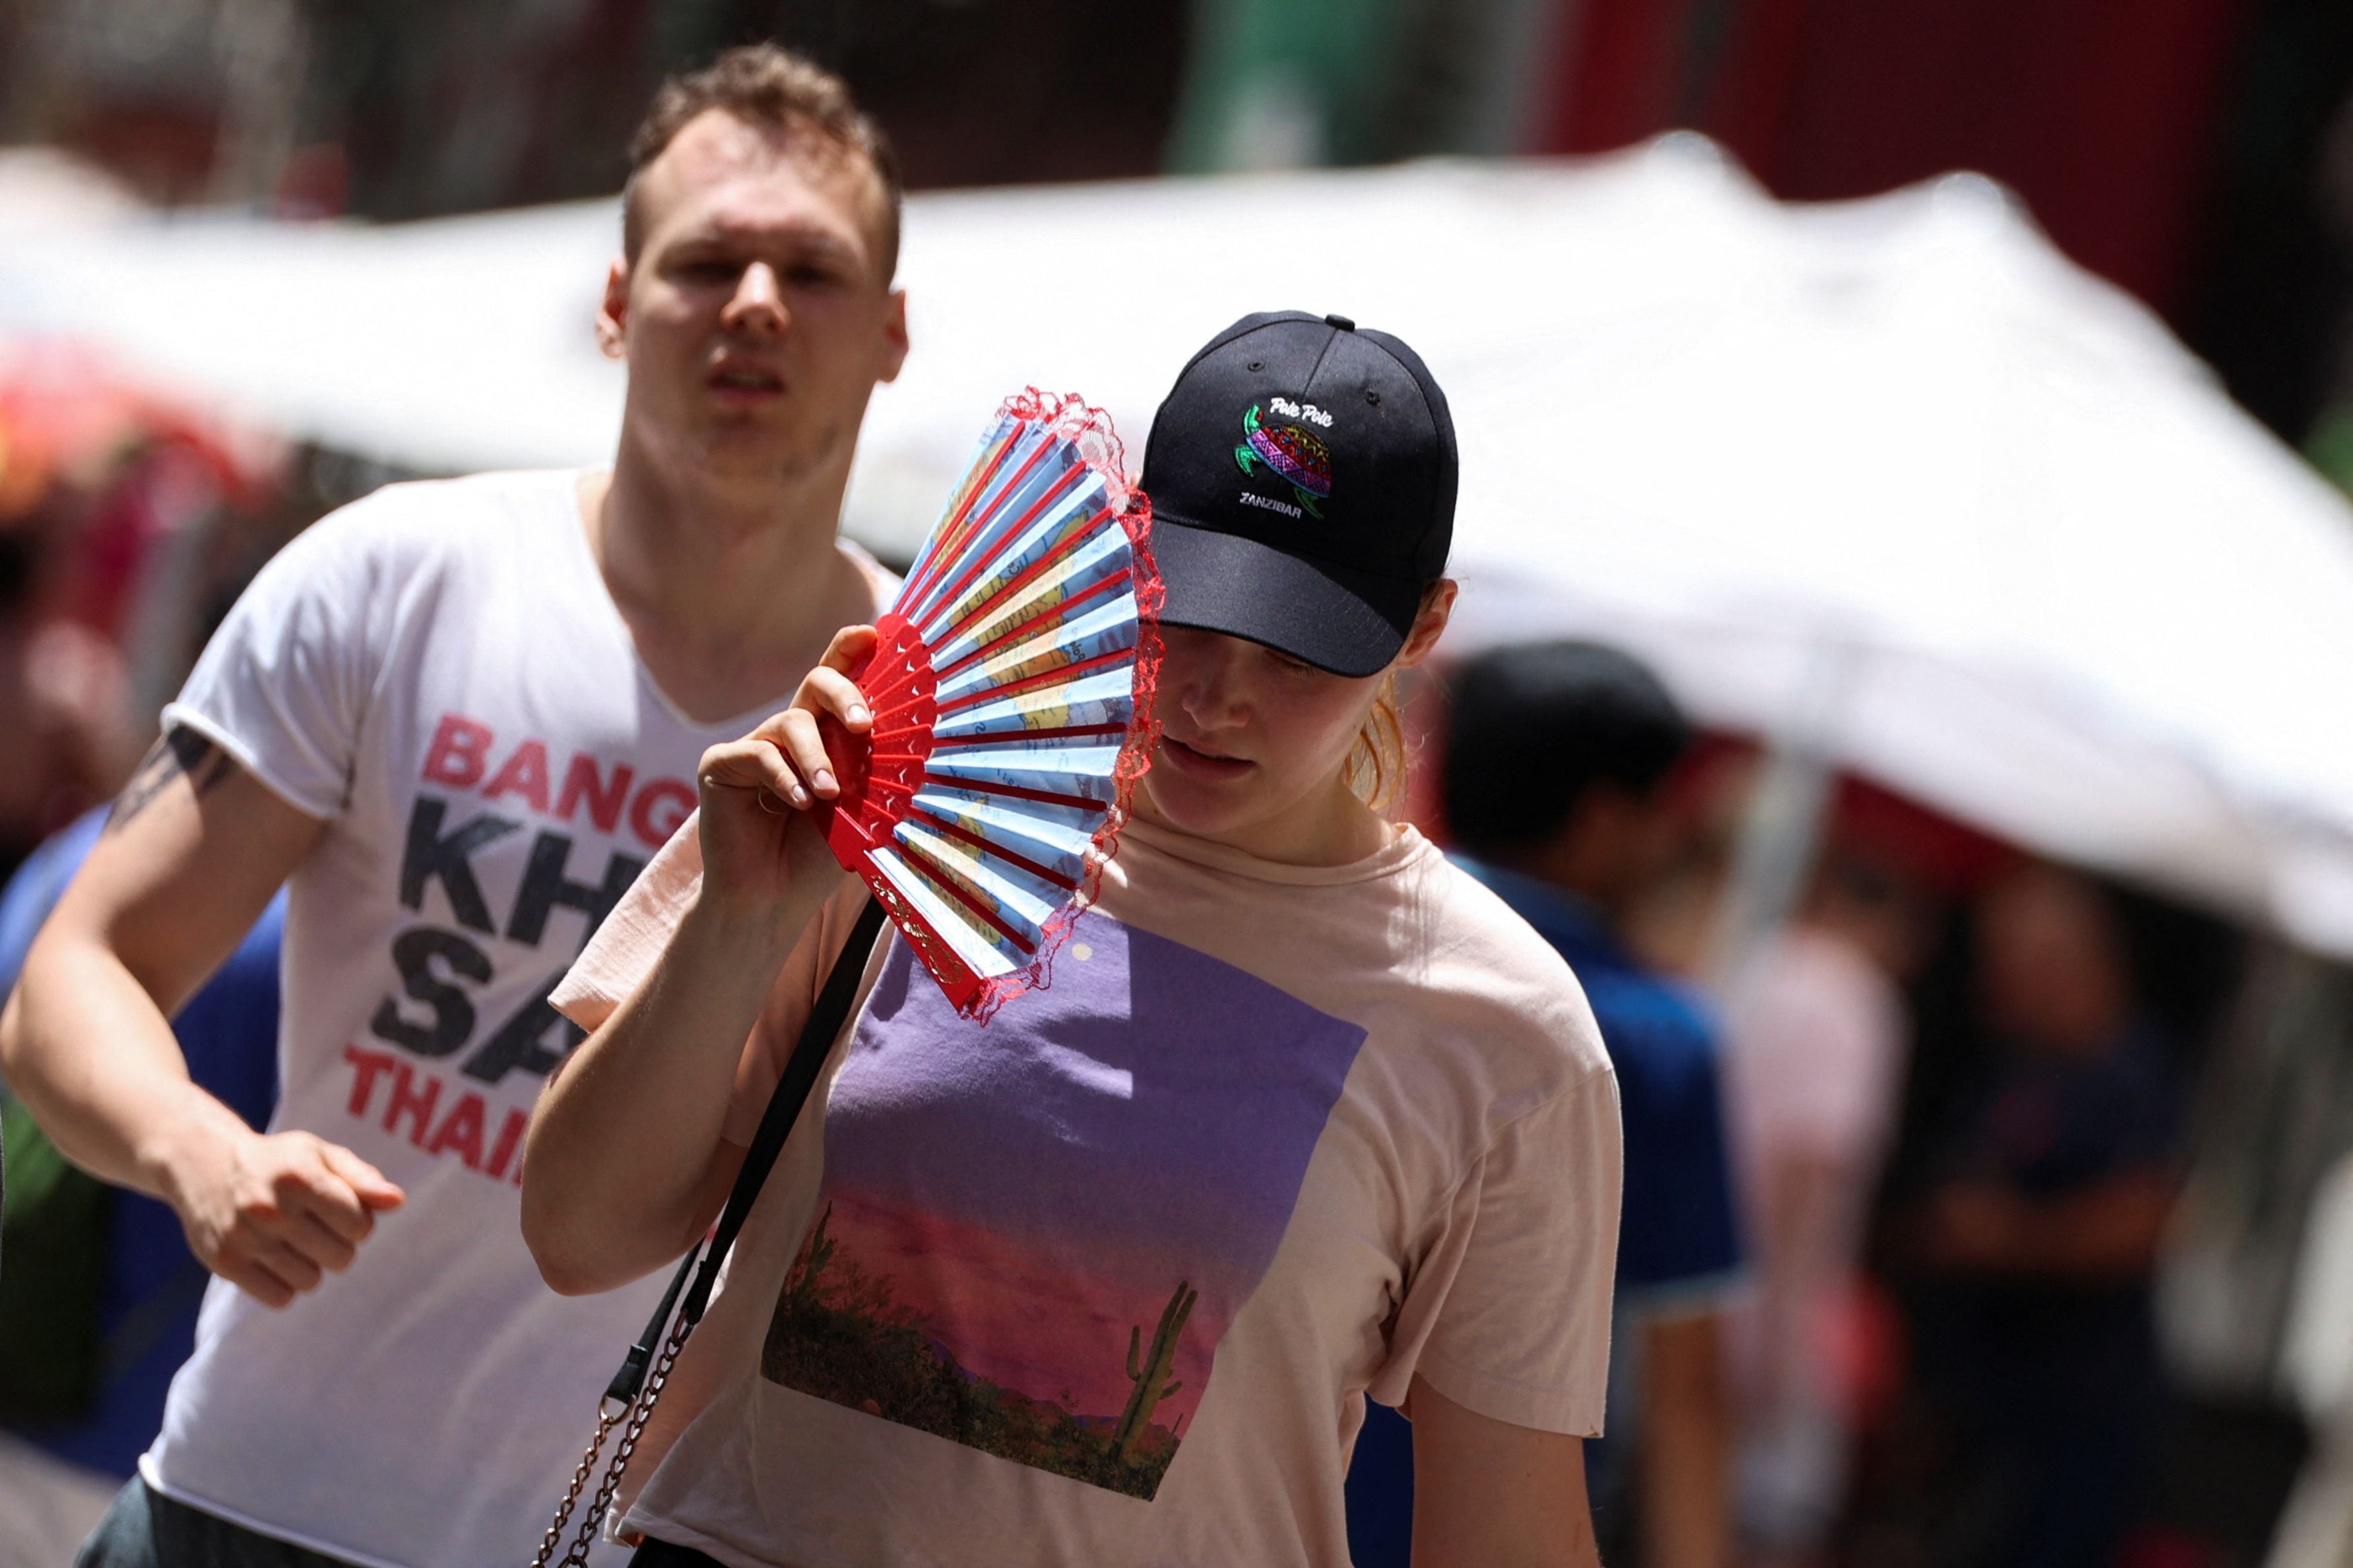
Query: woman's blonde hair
x=1375 y=770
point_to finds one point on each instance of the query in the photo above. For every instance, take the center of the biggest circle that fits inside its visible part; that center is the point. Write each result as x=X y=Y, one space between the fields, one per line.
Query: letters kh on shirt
x=485 y=805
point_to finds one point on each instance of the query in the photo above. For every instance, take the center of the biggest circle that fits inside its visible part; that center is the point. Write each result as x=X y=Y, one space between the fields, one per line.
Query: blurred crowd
x=1899 y=1171
x=1939 y=1167
x=122 y=518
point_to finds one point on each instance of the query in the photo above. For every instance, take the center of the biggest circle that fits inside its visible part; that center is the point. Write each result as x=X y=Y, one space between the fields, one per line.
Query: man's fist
x=271 y=1214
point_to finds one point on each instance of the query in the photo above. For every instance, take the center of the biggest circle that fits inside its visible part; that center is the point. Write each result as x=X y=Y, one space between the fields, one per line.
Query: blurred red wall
x=2101 y=113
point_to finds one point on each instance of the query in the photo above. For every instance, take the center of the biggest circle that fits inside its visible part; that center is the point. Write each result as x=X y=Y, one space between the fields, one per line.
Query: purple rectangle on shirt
x=1034 y=1233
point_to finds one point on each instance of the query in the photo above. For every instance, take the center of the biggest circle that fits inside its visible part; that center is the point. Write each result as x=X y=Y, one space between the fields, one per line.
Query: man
x=457 y=719
x=1553 y=778
x=2036 y=1241
x=1816 y=1037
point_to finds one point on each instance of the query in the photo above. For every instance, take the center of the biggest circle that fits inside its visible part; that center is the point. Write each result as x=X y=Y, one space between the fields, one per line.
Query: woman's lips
x=1204 y=765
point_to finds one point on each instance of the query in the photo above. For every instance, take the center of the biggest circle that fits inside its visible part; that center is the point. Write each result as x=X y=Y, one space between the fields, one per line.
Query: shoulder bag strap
x=793 y=1087
x=632 y=1393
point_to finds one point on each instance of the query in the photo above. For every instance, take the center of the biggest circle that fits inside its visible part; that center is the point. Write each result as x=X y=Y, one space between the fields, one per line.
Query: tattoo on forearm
x=182 y=752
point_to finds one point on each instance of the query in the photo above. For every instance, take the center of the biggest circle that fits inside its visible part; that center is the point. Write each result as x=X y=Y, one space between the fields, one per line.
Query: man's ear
x=894 y=331
x=613 y=311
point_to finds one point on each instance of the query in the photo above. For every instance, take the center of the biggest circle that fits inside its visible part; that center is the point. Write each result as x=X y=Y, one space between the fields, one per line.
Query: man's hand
x=274 y=1214
x=2110 y=1230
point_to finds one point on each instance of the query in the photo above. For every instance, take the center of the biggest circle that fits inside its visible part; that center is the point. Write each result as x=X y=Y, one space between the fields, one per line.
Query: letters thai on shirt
x=440 y=674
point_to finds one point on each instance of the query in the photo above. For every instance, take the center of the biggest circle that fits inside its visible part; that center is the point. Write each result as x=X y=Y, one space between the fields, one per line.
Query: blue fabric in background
x=229 y=1033
x=1380 y=1491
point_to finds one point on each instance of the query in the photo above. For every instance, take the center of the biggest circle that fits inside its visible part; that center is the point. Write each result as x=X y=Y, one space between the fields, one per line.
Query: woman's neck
x=1331 y=827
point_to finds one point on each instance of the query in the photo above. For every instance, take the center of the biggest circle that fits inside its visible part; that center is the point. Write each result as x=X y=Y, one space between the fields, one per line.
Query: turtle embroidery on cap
x=1291 y=452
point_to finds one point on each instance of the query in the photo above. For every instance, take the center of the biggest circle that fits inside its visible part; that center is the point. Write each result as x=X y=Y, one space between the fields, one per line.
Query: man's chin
x=753 y=454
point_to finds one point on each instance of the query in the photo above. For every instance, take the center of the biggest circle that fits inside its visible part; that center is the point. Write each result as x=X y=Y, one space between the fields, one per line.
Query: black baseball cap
x=1301 y=475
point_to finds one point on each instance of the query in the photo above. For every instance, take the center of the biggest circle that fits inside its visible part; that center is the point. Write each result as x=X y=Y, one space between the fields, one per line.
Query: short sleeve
x=1508 y=1313
x=283 y=686
x=1681 y=1250
x=626 y=945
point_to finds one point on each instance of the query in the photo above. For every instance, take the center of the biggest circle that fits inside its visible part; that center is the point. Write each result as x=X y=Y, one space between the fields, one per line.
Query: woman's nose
x=1206 y=687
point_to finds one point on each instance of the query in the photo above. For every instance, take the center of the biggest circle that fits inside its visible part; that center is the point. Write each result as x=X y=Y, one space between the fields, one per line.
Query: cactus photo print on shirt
x=1032 y=1233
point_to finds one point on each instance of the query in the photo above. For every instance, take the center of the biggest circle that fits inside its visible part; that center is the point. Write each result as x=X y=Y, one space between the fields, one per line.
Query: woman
x=1305 y=1114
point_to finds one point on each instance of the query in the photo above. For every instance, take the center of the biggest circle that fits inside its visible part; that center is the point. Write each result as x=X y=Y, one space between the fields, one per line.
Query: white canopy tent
x=1890 y=478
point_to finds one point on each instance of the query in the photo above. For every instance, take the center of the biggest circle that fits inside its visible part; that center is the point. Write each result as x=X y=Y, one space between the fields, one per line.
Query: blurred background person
x=126 y=524
x=1555 y=780
x=113 y=505
x=63 y=702
x=100 y=1292
x=2036 y=1241
x=1815 y=1037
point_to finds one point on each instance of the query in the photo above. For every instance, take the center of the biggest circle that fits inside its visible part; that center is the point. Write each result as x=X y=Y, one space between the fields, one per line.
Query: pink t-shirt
x=1105 y=1281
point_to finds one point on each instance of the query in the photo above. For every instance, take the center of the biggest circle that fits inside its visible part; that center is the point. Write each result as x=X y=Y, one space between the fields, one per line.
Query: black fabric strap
x=631 y=1377
x=793 y=1087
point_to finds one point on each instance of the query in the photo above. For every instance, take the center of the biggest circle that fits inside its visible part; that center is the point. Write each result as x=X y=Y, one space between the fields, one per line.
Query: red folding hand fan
x=1012 y=699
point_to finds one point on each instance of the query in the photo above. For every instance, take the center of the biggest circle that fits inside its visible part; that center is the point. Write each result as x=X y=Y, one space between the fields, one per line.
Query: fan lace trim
x=1089 y=429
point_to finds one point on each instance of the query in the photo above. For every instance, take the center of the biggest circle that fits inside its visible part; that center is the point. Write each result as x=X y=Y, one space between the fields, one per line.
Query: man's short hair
x=763 y=84
x=1537 y=726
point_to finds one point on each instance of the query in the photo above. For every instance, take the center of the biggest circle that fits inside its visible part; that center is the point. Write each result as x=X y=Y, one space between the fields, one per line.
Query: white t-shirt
x=438 y=672
x=1104 y=1282
x=1814 y=1049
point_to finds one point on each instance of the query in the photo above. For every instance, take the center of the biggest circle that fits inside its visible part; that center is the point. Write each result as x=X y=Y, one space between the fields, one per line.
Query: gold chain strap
x=800 y=1075
x=606 y=1418
x=639 y=1412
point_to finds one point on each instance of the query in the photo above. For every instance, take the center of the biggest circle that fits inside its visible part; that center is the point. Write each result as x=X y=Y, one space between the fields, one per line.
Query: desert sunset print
x=1056 y=1299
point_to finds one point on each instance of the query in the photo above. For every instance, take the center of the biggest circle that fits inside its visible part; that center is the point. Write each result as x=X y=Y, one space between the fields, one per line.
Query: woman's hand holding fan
x=759 y=842
x=971 y=756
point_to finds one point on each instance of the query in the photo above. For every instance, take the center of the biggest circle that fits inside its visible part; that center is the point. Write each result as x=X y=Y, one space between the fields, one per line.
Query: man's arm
x=1686 y=1442
x=187 y=862
x=1487 y=1494
x=2111 y=1230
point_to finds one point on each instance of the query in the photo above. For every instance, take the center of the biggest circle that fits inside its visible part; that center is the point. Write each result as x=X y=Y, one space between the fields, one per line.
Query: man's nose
x=759 y=303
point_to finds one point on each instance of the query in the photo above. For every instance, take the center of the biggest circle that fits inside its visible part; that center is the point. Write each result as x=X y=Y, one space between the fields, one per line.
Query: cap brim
x=1350 y=623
